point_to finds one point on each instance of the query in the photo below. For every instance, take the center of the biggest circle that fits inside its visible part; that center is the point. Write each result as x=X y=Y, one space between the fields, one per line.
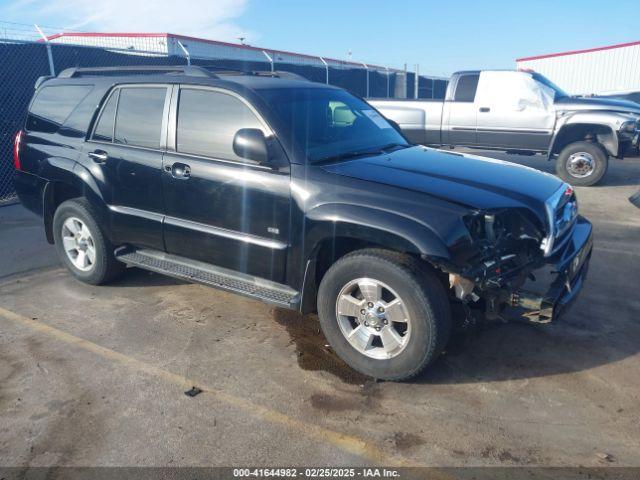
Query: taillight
x=16 y=150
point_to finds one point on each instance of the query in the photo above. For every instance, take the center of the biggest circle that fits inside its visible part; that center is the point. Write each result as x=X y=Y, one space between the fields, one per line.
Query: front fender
x=572 y=127
x=328 y=224
x=373 y=225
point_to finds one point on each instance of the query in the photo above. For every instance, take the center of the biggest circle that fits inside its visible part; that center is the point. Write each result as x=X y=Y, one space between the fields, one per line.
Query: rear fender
x=67 y=179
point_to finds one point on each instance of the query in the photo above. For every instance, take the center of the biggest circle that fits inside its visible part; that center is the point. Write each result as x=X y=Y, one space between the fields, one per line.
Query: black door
x=125 y=150
x=222 y=209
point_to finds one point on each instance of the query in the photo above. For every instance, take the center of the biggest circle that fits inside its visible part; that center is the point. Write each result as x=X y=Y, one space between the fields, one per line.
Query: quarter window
x=139 y=116
x=466 y=88
x=104 y=129
x=53 y=105
x=208 y=121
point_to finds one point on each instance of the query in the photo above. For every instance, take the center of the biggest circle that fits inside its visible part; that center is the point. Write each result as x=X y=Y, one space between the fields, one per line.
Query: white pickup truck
x=521 y=112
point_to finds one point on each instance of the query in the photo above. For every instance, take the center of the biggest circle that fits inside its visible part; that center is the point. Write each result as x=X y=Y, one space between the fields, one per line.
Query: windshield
x=330 y=124
x=558 y=92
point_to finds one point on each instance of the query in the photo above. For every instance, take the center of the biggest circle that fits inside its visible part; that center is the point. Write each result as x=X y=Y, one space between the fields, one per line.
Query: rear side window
x=53 y=105
x=104 y=128
x=466 y=88
x=139 y=116
x=208 y=121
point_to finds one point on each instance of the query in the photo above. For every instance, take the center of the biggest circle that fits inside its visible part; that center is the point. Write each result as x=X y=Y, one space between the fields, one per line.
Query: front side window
x=330 y=124
x=53 y=105
x=208 y=122
x=466 y=88
x=139 y=116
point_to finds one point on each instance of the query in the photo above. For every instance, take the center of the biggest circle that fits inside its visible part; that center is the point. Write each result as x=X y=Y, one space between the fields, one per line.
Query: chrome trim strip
x=513 y=130
x=200 y=227
x=158 y=217
x=222 y=232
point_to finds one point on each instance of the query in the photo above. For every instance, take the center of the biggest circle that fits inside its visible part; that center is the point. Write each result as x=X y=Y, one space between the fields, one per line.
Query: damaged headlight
x=493 y=228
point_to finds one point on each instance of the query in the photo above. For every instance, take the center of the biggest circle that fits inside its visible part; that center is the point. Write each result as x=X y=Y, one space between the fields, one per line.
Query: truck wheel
x=383 y=314
x=582 y=163
x=81 y=244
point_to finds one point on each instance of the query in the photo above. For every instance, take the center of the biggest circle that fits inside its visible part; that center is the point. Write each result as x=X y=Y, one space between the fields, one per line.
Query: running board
x=200 y=272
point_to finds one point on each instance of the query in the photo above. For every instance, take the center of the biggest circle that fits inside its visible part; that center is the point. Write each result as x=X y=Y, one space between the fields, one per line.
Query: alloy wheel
x=373 y=318
x=78 y=244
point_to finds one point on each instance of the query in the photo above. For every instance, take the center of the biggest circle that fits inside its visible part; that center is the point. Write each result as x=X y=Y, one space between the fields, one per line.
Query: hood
x=470 y=180
x=593 y=103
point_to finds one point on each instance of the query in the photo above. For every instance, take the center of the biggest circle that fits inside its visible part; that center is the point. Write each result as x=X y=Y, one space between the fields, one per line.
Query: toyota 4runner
x=298 y=194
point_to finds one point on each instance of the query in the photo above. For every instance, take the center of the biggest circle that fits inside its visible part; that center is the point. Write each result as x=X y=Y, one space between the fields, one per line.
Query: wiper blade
x=360 y=153
x=389 y=146
x=347 y=156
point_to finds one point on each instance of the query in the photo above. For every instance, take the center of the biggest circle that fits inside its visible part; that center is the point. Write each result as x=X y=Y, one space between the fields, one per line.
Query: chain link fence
x=30 y=52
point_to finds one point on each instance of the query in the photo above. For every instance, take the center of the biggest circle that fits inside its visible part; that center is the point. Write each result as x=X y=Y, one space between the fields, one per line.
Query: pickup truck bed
x=419 y=120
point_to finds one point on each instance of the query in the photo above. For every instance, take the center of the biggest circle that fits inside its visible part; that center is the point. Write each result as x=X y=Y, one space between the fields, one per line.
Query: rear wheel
x=582 y=163
x=383 y=314
x=81 y=244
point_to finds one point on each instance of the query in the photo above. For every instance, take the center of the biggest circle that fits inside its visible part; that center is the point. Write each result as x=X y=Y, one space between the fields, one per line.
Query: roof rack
x=189 y=70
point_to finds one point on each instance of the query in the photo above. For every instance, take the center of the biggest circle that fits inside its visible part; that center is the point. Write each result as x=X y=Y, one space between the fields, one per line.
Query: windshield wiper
x=359 y=153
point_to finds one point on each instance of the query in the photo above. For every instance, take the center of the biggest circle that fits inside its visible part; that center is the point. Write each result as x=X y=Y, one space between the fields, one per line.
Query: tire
x=425 y=304
x=98 y=267
x=572 y=163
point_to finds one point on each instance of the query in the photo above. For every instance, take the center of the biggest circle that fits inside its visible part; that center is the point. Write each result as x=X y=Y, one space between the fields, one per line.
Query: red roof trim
x=204 y=40
x=575 y=52
x=92 y=34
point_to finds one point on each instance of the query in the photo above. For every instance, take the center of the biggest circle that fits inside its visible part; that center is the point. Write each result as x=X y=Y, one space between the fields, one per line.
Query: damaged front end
x=513 y=265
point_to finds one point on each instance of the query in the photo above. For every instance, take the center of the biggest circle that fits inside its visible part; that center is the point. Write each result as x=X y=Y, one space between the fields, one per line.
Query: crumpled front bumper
x=559 y=281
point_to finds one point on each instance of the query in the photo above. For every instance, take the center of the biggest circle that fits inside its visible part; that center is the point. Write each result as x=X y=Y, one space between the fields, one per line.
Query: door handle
x=179 y=170
x=485 y=109
x=98 y=156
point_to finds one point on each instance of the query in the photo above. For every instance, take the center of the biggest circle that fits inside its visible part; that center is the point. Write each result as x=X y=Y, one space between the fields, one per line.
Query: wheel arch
x=576 y=131
x=338 y=235
x=67 y=180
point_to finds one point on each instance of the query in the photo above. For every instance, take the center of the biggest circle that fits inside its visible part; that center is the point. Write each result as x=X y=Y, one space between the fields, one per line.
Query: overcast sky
x=441 y=36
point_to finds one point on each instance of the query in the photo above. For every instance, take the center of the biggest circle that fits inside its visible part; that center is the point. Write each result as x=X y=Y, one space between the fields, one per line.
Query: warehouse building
x=609 y=70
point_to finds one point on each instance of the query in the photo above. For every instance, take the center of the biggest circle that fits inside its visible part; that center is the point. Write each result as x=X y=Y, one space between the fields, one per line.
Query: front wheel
x=384 y=314
x=582 y=163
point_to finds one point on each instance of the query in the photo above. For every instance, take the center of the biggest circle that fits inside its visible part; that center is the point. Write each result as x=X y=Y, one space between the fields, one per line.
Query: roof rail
x=279 y=74
x=189 y=70
x=41 y=80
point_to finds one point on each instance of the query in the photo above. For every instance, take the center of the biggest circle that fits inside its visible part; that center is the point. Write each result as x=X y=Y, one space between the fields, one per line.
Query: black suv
x=298 y=194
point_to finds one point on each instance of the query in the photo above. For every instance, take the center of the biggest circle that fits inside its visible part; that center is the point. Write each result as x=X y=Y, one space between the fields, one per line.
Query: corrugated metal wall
x=596 y=71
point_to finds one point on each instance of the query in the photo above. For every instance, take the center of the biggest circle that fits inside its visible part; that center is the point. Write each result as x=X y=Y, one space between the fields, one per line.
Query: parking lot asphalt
x=93 y=376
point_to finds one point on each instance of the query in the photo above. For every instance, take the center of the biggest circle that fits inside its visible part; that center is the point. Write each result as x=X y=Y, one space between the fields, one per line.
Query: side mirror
x=251 y=144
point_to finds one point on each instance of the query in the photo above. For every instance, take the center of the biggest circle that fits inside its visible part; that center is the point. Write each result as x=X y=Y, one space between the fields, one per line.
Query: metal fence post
x=49 y=53
x=270 y=60
x=326 y=66
x=387 y=69
x=366 y=72
x=186 y=52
